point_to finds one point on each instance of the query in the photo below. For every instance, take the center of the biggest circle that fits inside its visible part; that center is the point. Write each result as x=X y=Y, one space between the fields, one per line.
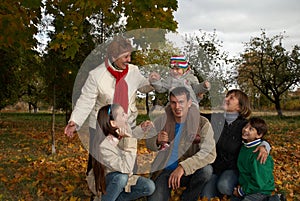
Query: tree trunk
x=278 y=107
x=35 y=108
x=53 y=115
x=29 y=107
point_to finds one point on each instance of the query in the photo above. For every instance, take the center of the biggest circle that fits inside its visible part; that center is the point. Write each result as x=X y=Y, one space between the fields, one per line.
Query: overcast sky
x=236 y=21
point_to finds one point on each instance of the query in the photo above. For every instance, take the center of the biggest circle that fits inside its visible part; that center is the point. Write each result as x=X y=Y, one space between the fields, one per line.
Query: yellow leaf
x=70 y=188
x=74 y=199
x=4 y=179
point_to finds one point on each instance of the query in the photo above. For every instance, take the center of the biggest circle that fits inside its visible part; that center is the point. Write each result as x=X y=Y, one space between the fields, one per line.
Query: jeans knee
x=150 y=188
x=207 y=172
x=120 y=180
x=227 y=181
x=224 y=187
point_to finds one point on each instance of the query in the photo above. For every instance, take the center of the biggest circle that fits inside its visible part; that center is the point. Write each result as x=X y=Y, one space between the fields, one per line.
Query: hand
x=147 y=125
x=206 y=84
x=174 y=179
x=200 y=96
x=70 y=129
x=262 y=155
x=195 y=138
x=235 y=192
x=154 y=76
x=123 y=132
x=162 y=137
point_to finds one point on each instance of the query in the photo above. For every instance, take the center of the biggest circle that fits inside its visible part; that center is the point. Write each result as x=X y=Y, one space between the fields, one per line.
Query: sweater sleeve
x=200 y=88
x=86 y=101
x=267 y=146
x=160 y=85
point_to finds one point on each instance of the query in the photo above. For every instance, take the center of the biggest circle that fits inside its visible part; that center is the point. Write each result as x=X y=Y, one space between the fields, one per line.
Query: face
x=123 y=60
x=231 y=103
x=250 y=133
x=120 y=120
x=180 y=106
x=176 y=72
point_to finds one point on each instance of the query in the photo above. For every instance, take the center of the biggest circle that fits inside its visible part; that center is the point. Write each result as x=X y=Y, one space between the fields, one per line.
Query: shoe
x=282 y=197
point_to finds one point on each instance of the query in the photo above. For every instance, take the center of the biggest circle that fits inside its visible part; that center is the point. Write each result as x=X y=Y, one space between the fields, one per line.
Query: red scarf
x=121 y=87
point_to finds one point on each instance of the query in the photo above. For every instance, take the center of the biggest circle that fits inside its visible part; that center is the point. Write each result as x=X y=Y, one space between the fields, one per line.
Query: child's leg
x=144 y=187
x=115 y=183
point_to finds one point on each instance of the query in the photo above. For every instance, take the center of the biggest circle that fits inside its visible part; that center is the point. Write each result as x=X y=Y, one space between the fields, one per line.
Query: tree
x=108 y=18
x=211 y=63
x=9 y=86
x=269 y=67
x=150 y=14
x=31 y=81
x=18 y=22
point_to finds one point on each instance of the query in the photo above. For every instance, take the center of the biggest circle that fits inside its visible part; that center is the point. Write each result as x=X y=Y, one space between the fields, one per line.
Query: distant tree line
x=265 y=69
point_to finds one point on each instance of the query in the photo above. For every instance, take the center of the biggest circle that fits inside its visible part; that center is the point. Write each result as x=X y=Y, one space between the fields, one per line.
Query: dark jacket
x=228 y=141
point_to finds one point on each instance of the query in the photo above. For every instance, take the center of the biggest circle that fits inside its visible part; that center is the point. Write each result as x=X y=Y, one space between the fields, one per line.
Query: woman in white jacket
x=114 y=81
x=112 y=175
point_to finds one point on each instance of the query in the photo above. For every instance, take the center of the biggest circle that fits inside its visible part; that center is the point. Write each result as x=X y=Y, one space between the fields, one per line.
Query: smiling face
x=176 y=72
x=231 y=103
x=250 y=133
x=123 y=60
x=180 y=107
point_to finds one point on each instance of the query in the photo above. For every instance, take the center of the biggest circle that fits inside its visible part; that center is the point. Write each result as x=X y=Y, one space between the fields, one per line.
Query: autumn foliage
x=28 y=170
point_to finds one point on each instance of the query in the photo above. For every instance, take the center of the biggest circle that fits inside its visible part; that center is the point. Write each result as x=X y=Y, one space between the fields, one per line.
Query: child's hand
x=123 y=132
x=146 y=125
x=207 y=85
x=154 y=76
x=200 y=96
x=235 y=191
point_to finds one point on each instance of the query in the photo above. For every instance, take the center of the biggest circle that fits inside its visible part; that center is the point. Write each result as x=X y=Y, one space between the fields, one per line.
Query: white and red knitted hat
x=179 y=61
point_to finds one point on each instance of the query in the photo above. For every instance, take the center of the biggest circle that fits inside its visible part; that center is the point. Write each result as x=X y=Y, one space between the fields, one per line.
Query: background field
x=28 y=170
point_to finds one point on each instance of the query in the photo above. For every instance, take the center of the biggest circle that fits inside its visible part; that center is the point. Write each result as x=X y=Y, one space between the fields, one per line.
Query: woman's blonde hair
x=245 y=107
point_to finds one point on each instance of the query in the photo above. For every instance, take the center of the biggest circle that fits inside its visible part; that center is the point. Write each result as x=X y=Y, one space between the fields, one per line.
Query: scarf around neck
x=231 y=116
x=121 y=87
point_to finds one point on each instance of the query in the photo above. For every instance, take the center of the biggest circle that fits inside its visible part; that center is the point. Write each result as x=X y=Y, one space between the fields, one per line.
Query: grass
x=29 y=171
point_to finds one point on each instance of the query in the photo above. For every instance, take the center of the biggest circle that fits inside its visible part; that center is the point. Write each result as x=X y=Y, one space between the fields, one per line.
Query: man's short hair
x=178 y=91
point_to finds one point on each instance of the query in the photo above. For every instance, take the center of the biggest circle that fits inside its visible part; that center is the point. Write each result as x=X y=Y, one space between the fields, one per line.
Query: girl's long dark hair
x=105 y=115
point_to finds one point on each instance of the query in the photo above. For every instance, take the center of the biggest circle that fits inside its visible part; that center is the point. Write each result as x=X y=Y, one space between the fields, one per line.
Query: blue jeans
x=115 y=183
x=222 y=184
x=194 y=184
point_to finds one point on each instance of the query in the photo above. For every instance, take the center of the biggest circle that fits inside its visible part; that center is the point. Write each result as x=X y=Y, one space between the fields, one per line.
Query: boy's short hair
x=259 y=124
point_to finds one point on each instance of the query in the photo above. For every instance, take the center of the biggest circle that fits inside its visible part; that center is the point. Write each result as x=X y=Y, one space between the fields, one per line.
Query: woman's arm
x=264 y=149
